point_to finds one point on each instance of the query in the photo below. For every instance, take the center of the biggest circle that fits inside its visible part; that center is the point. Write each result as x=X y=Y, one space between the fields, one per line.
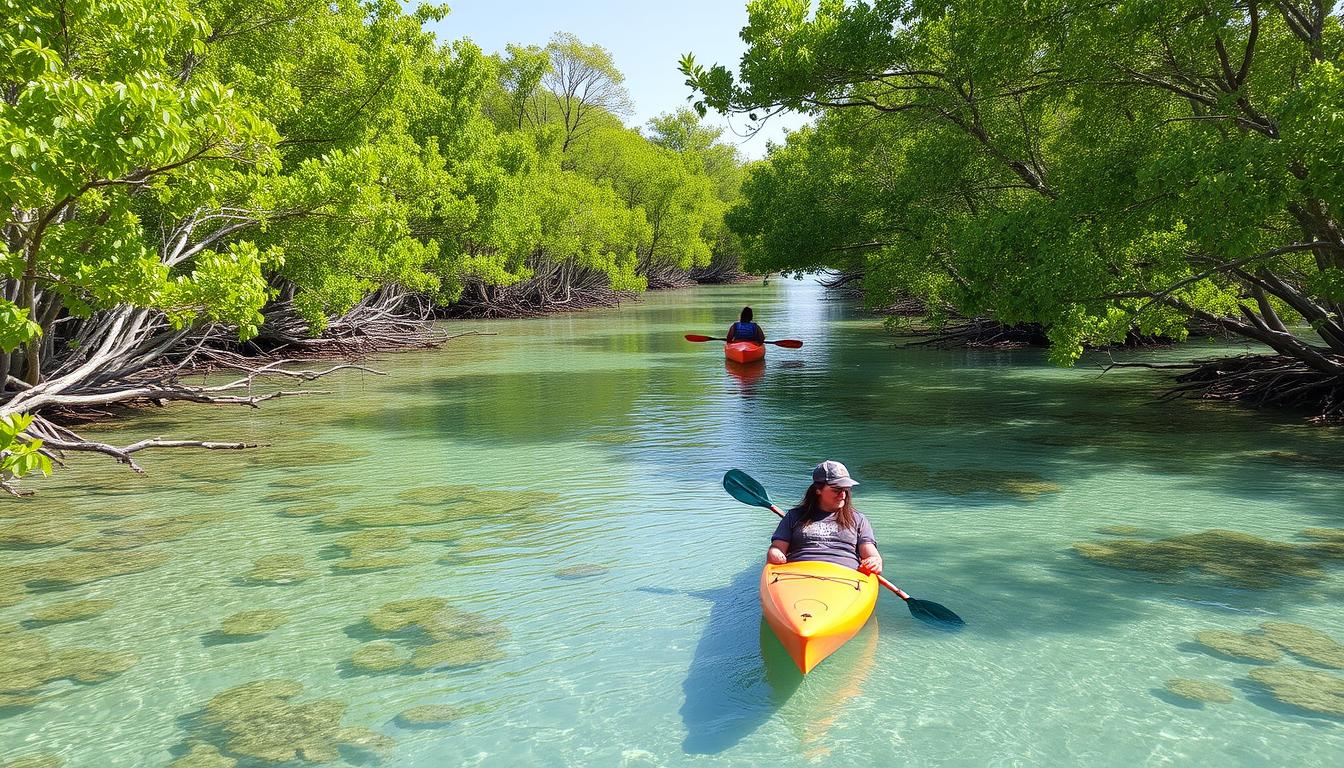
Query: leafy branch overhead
x=1101 y=169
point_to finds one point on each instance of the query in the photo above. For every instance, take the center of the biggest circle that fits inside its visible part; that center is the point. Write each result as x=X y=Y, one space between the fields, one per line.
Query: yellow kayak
x=814 y=608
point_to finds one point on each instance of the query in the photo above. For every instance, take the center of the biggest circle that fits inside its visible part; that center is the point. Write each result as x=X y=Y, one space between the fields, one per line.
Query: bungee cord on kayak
x=785 y=575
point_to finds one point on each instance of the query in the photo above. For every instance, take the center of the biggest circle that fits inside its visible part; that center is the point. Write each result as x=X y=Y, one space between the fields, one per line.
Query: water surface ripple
x=556 y=486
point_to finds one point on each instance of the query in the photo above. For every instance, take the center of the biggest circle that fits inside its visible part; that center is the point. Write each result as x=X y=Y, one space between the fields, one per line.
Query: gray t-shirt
x=822 y=539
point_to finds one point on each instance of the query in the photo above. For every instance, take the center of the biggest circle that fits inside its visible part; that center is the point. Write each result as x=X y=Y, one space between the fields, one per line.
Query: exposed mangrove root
x=123 y=453
x=389 y=318
x=1259 y=381
x=155 y=386
x=662 y=278
x=850 y=281
x=906 y=307
x=562 y=287
x=516 y=301
x=849 y=285
x=720 y=274
x=979 y=332
x=128 y=357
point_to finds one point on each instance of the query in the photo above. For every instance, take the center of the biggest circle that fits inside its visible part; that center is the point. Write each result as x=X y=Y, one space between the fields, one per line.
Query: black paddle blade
x=742 y=487
x=933 y=613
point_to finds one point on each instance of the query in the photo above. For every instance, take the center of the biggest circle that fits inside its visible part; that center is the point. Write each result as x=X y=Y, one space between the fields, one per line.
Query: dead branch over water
x=130 y=357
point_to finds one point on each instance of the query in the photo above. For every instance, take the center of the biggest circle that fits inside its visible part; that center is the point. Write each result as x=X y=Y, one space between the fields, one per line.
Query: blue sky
x=645 y=39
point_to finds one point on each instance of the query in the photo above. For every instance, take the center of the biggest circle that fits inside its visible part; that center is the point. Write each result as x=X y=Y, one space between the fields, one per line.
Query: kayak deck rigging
x=785 y=575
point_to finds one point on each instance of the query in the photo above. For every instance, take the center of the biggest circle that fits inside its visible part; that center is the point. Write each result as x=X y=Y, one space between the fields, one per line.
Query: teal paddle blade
x=932 y=613
x=742 y=487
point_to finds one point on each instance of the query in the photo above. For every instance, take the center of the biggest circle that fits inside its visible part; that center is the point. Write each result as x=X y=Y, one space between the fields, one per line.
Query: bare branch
x=123 y=454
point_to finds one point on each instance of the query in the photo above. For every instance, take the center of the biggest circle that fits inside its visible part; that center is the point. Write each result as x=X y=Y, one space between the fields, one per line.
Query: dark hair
x=811 y=504
x=746 y=314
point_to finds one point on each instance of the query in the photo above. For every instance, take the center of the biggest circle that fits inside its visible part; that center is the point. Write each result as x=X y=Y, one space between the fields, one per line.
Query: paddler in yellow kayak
x=825 y=526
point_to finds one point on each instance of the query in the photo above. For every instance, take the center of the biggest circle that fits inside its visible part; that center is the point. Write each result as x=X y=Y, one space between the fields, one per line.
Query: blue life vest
x=745 y=331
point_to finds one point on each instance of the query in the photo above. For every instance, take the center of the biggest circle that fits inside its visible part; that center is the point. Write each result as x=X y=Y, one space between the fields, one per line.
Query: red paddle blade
x=790 y=343
x=697 y=337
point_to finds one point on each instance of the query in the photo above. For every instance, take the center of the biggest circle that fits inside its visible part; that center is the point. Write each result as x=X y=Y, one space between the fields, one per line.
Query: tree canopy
x=1098 y=169
x=179 y=176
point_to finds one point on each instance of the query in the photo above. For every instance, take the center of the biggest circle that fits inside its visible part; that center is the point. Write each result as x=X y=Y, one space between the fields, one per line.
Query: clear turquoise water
x=652 y=653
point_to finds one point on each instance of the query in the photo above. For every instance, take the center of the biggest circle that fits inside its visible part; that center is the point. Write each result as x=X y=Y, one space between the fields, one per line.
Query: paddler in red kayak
x=745 y=330
x=825 y=525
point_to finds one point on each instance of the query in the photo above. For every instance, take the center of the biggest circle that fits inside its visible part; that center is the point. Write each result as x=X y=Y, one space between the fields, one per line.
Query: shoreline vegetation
x=256 y=185
x=1104 y=172
x=251 y=182
x=330 y=354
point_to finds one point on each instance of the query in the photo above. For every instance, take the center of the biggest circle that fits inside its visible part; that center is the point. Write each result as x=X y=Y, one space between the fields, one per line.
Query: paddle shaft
x=790 y=343
x=882 y=580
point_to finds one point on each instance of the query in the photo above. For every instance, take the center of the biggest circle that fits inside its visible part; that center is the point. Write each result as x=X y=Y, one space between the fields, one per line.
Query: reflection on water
x=745 y=374
x=829 y=696
x=521 y=540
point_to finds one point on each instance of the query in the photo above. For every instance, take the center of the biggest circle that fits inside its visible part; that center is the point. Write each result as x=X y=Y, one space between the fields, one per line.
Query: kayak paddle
x=745 y=489
x=790 y=343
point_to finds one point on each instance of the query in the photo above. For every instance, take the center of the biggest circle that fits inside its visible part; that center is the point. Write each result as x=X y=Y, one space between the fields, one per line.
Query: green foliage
x=563 y=182
x=20 y=455
x=100 y=128
x=675 y=204
x=206 y=159
x=223 y=287
x=1097 y=169
x=15 y=326
x=520 y=73
x=581 y=86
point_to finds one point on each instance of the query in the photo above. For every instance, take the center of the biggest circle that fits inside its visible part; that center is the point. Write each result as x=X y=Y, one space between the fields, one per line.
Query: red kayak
x=744 y=351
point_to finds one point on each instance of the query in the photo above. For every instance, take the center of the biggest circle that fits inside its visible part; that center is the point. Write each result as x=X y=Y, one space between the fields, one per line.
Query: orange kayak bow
x=744 y=351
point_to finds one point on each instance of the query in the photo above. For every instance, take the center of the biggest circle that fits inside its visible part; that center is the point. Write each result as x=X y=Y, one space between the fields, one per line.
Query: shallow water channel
x=515 y=550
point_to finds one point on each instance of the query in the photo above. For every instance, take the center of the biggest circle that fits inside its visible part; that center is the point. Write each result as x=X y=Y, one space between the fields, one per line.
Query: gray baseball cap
x=833 y=473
